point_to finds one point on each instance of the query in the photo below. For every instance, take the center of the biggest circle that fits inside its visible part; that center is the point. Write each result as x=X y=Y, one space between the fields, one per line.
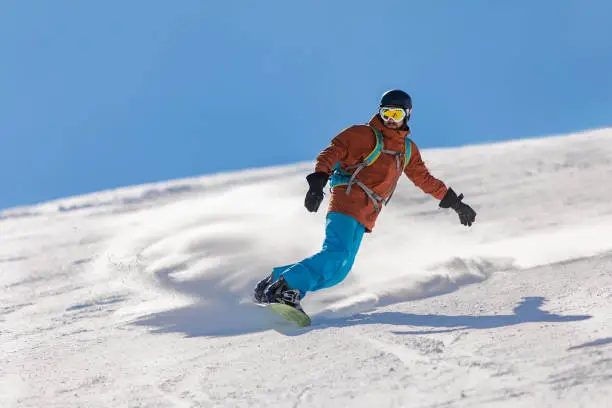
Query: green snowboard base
x=289 y=313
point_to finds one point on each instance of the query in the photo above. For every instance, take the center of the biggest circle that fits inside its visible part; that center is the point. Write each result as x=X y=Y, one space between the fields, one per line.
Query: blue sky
x=97 y=95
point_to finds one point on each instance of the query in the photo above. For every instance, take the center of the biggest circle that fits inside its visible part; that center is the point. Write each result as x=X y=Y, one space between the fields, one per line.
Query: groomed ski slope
x=139 y=297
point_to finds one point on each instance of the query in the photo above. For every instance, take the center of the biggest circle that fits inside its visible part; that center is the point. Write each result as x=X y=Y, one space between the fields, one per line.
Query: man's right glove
x=467 y=215
x=314 y=196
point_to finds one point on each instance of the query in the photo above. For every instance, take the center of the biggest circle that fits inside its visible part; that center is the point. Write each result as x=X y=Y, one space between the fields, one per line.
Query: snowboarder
x=364 y=163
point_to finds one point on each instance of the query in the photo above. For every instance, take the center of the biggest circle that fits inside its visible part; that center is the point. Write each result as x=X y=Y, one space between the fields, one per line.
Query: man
x=365 y=163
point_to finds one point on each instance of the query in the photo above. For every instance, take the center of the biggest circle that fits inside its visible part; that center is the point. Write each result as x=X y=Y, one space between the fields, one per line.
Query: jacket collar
x=378 y=124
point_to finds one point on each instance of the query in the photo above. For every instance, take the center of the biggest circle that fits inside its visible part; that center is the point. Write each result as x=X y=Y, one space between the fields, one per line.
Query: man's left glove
x=467 y=215
x=314 y=196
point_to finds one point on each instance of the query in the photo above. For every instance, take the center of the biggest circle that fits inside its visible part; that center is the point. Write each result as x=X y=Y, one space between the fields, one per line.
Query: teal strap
x=374 y=154
x=408 y=152
x=348 y=175
x=371 y=158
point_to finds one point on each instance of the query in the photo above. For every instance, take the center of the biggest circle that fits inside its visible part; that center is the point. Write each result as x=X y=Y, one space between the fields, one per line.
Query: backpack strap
x=348 y=175
x=408 y=152
x=407 y=157
x=374 y=154
x=405 y=154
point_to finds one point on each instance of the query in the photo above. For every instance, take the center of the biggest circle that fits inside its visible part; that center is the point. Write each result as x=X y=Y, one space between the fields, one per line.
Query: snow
x=139 y=297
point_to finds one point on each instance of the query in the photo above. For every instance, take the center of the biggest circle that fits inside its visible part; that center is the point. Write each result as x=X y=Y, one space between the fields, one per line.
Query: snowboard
x=289 y=313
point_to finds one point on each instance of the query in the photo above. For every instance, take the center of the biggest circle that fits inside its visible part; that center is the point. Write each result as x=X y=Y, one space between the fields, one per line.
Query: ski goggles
x=395 y=114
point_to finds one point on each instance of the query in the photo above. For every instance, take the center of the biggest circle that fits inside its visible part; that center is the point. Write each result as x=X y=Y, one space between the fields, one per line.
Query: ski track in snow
x=139 y=297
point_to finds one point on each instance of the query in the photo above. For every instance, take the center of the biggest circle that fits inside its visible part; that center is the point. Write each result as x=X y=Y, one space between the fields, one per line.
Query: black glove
x=467 y=215
x=314 y=196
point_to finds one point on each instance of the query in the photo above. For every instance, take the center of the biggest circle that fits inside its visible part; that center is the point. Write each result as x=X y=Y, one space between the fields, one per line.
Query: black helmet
x=397 y=98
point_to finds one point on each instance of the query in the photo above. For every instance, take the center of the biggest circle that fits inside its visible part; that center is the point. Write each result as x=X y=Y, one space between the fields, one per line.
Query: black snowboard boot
x=280 y=292
x=259 y=293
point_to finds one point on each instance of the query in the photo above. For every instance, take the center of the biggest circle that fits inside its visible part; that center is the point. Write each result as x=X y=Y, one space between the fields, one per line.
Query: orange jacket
x=350 y=147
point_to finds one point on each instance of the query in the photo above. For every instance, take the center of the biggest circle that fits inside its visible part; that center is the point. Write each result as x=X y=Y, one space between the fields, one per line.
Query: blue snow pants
x=330 y=266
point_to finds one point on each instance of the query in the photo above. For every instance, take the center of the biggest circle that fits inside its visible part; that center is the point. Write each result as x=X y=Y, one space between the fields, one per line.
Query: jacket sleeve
x=417 y=172
x=337 y=151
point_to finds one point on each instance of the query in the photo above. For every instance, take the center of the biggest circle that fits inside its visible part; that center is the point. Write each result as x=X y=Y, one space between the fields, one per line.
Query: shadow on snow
x=595 y=343
x=527 y=311
x=229 y=316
